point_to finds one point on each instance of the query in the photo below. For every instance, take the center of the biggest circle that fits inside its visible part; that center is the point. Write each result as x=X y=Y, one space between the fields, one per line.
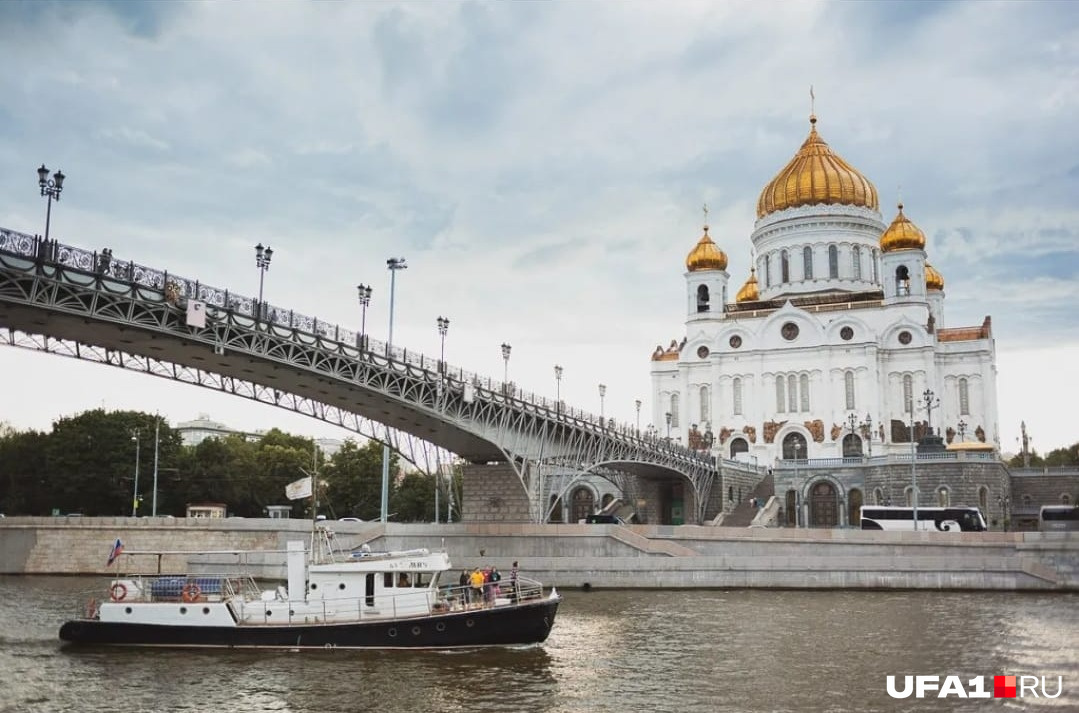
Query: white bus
x=1058 y=518
x=953 y=519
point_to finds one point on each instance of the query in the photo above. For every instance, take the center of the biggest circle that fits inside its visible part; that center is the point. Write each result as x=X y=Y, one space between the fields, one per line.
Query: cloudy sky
x=542 y=166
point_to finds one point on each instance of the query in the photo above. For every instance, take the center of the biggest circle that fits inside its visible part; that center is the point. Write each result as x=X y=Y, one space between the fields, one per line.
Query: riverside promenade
x=584 y=556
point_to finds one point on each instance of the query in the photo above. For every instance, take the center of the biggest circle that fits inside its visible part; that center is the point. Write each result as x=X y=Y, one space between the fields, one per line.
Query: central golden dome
x=815 y=175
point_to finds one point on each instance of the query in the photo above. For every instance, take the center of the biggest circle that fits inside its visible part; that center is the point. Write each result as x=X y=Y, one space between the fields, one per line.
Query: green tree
x=353 y=480
x=414 y=498
x=1063 y=456
x=23 y=486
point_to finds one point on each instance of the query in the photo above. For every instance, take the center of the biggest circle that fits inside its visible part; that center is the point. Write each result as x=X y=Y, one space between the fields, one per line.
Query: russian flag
x=117 y=549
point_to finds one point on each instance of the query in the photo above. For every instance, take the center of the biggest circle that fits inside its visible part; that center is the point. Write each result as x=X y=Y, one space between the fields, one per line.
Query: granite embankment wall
x=579 y=555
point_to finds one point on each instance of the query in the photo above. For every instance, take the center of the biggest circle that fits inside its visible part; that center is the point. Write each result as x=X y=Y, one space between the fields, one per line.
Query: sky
x=542 y=167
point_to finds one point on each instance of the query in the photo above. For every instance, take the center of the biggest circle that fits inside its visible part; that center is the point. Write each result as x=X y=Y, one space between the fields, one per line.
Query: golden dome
x=706 y=255
x=902 y=235
x=749 y=292
x=933 y=279
x=815 y=175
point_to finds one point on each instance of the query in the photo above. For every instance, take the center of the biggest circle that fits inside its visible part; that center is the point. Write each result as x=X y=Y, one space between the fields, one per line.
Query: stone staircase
x=744 y=513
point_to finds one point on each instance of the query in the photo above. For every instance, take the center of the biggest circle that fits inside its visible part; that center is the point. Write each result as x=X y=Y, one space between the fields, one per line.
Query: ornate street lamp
x=263 y=255
x=393 y=264
x=867 y=433
x=50 y=188
x=364 y=292
x=558 y=388
x=506 y=367
x=962 y=428
x=637 y=403
x=443 y=327
x=669 y=418
x=602 y=394
x=135 y=497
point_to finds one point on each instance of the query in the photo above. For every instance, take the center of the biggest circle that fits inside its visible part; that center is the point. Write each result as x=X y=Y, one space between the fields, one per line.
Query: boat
x=354 y=599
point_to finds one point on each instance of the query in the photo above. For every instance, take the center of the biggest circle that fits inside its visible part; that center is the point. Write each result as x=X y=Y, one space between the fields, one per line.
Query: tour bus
x=1058 y=518
x=951 y=519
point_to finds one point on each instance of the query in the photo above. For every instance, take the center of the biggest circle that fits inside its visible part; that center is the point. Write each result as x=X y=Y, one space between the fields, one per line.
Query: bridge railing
x=177 y=289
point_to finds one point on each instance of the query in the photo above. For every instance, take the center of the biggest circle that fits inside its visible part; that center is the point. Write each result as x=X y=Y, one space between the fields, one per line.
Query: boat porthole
x=314 y=586
x=392 y=631
x=269 y=613
x=127 y=610
x=415 y=631
x=341 y=585
x=291 y=612
x=206 y=610
x=183 y=610
x=440 y=626
x=469 y=623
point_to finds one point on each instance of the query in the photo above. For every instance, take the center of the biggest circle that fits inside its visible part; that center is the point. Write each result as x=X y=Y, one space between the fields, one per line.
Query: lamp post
x=135 y=496
x=393 y=264
x=931 y=402
x=365 y=299
x=797 y=451
x=506 y=368
x=50 y=188
x=867 y=433
x=602 y=395
x=558 y=388
x=669 y=417
x=962 y=429
x=913 y=469
x=637 y=403
x=1004 y=501
x=443 y=327
x=852 y=424
x=157 y=450
x=263 y=255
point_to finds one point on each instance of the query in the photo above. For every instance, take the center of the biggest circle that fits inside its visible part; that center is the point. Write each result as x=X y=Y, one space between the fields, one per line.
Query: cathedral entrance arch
x=823 y=505
x=794 y=446
x=739 y=445
x=852 y=446
x=582 y=503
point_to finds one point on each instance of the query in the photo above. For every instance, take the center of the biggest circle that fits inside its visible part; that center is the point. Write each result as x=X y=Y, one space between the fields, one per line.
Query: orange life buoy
x=190 y=592
x=118 y=591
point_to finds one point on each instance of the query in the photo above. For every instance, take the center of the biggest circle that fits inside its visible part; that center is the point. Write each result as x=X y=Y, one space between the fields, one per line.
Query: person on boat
x=466 y=595
x=496 y=588
x=514 y=592
x=477 y=581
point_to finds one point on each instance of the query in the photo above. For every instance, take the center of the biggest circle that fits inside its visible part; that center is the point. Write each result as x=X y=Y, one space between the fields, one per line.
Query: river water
x=678 y=651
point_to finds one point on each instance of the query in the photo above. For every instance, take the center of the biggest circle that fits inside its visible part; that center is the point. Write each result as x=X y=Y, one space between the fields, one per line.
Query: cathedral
x=836 y=346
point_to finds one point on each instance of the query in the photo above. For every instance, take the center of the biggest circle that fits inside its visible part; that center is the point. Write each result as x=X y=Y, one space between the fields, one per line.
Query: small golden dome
x=902 y=235
x=815 y=175
x=933 y=279
x=749 y=292
x=706 y=255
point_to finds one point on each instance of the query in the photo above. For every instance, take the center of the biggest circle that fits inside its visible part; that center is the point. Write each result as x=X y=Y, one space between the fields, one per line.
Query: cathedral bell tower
x=706 y=279
x=903 y=261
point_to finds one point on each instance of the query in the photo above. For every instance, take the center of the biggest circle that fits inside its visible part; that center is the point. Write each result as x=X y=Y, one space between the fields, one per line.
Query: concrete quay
x=588 y=556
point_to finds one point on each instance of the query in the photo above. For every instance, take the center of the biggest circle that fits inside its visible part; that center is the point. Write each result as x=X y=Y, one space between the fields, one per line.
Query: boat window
x=421 y=579
x=403 y=580
x=369 y=589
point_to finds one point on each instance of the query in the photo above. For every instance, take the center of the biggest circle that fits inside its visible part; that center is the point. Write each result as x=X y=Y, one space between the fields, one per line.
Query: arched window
x=702 y=298
x=983 y=499
x=852 y=446
x=794 y=446
x=767 y=271
x=807 y=262
x=736 y=393
x=804 y=381
x=848 y=387
x=780 y=400
x=902 y=281
x=674 y=410
x=739 y=445
x=909 y=492
x=878 y=497
x=706 y=405
x=785 y=266
x=908 y=393
x=943 y=497
x=1065 y=499
x=876 y=274
x=856 y=262
x=833 y=262
x=792 y=393
x=582 y=503
x=964 y=398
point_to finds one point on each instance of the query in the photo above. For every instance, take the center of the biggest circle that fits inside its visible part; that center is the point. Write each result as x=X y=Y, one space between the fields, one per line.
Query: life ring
x=190 y=592
x=118 y=591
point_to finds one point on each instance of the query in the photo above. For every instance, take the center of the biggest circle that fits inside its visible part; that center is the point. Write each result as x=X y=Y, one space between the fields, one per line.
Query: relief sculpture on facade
x=771 y=428
x=949 y=434
x=751 y=433
x=817 y=429
x=979 y=433
x=724 y=434
x=837 y=430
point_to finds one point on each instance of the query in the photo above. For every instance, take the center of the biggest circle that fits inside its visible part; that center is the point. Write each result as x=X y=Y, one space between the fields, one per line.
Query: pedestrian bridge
x=88 y=305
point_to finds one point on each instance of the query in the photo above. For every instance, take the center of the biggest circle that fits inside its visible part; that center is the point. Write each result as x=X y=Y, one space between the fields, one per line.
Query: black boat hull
x=527 y=623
